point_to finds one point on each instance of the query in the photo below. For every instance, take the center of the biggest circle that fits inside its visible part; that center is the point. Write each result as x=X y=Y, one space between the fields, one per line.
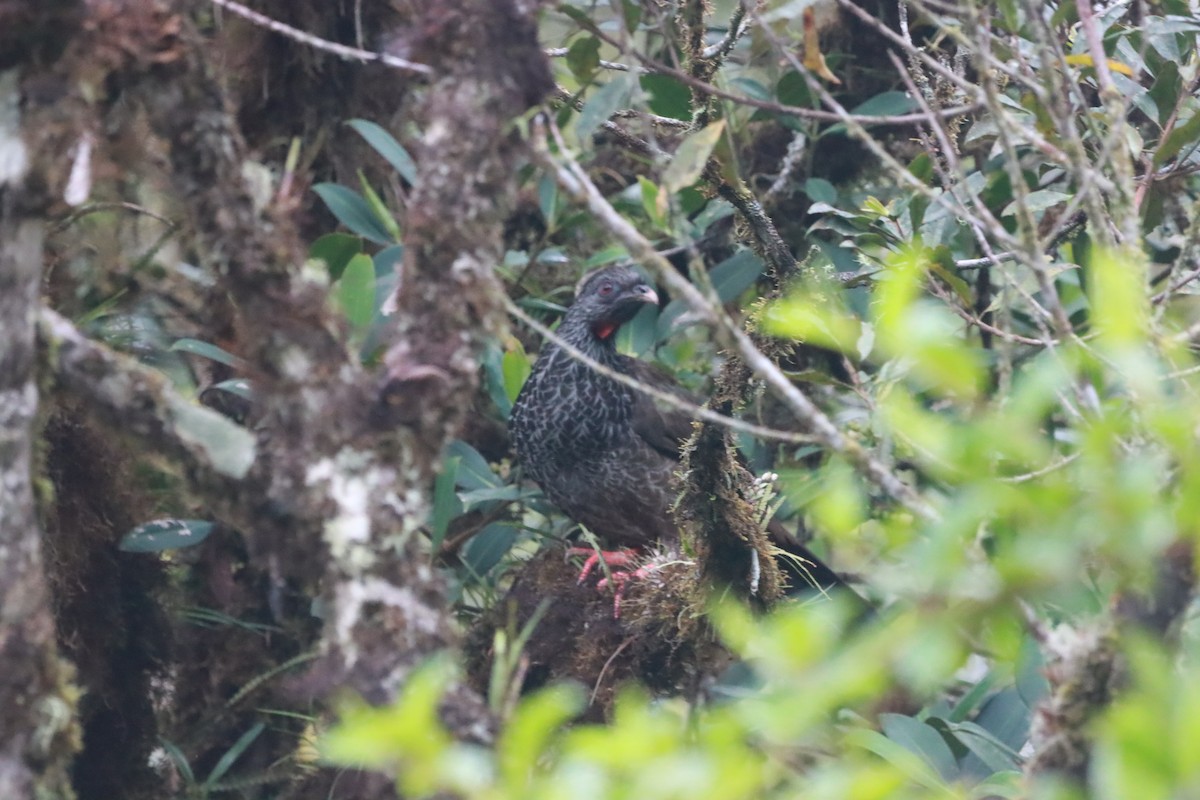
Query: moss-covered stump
x=661 y=638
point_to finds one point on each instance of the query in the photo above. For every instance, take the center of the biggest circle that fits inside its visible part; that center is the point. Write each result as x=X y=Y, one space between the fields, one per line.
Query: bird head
x=608 y=298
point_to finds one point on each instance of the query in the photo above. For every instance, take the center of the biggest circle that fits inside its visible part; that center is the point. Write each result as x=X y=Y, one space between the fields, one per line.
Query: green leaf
x=942 y=265
x=874 y=207
x=1165 y=90
x=691 y=157
x=379 y=208
x=165 y=534
x=353 y=211
x=487 y=547
x=993 y=755
x=1183 y=135
x=386 y=145
x=806 y=320
x=607 y=255
x=1066 y=15
x=507 y=493
x=516 y=368
x=792 y=90
x=923 y=740
x=1006 y=717
x=921 y=167
x=1120 y=307
x=1038 y=201
x=473 y=470
x=735 y=275
x=583 y=58
x=900 y=756
x=493 y=375
x=1002 y=785
x=336 y=250
x=179 y=760
x=409 y=732
x=236 y=386
x=821 y=191
x=631 y=12
x=611 y=98
x=965 y=706
x=446 y=505
x=887 y=104
x=1032 y=685
x=234 y=753
x=209 y=351
x=653 y=201
x=548 y=201
x=387 y=259
x=527 y=734
x=578 y=15
x=730 y=278
x=668 y=97
x=356 y=291
x=1009 y=15
x=638 y=335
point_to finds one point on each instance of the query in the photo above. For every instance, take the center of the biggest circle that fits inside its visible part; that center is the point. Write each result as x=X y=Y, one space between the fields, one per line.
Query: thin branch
x=987 y=261
x=1177 y=284
x=971 y=319
x=1091 y=34
x=737 y=28
x=1046 y=470
x=94 y=208
x=340 y=50
x=667 y=398
x=616 y=66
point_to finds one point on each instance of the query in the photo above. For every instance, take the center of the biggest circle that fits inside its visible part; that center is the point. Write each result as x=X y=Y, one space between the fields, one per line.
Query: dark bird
x=603 y=452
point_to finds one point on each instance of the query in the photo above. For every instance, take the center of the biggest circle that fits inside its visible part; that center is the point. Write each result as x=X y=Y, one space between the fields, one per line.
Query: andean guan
x=602 y=452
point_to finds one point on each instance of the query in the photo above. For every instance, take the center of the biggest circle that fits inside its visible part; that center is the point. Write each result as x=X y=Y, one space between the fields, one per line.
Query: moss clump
x=661 y=638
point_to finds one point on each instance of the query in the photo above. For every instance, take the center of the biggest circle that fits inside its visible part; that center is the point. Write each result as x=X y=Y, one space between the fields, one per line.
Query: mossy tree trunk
x=144 y=108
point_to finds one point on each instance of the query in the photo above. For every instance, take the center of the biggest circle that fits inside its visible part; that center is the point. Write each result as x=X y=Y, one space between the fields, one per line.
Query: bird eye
x=606 y=289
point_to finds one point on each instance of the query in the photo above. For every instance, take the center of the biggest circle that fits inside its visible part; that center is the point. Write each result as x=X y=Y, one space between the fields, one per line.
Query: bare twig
x=615 y=66
x=737 y=29
x=340 y=50
x=666 y=398
x=1091 y=34
x=1046 y=470
x=95 y=208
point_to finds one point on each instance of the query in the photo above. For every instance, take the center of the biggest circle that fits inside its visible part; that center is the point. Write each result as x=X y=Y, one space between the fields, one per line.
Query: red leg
x=613 y=558
x=620 y=580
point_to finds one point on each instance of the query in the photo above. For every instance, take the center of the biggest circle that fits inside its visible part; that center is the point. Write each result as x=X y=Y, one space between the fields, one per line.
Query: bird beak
x=643 y=293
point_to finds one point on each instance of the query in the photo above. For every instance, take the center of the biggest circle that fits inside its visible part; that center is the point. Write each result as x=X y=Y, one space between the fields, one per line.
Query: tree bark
x=39 y=735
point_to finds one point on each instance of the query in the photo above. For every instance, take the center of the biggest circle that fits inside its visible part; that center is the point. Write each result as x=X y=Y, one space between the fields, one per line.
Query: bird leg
x=611 y=558
x=620 y=580
x=616 y=578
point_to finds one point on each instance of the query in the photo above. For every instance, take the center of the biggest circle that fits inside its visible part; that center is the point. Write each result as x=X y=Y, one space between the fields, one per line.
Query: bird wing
x=662 y=427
